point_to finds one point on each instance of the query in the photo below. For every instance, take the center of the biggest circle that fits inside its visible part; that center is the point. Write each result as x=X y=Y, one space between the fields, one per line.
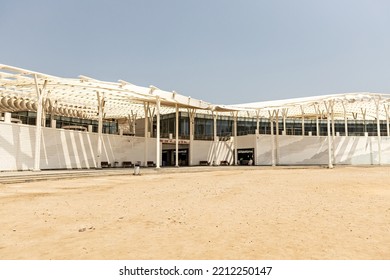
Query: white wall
x=263 y=150
x=17 y=144
x=312 y=150
x=61 y=149
x=246 y=142
x=204 y=150
x=65 y=149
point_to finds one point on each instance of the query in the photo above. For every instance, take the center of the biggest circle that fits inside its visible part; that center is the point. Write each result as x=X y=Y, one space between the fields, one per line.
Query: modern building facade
x=49 y=122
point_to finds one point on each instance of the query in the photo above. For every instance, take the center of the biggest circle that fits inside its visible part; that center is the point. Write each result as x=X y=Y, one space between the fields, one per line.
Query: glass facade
x=109 y=127
x=204 y=126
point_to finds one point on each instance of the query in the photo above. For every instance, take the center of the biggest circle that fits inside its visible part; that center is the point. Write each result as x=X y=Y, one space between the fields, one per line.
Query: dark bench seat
x=127 y=164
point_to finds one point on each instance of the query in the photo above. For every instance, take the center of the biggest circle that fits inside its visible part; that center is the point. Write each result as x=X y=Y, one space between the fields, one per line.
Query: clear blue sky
x=223 y=52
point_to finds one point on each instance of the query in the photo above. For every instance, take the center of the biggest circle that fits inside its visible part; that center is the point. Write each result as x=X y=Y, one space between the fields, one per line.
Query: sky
x=220 y=51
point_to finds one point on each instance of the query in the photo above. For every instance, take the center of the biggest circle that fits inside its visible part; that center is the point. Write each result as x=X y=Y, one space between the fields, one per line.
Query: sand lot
x=231 y=213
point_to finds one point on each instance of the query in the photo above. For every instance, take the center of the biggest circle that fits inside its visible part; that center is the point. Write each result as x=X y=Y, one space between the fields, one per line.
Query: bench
x=150 y=164
x=105 y=164
x=127 y=164
x=224 y=162
x=203 y=162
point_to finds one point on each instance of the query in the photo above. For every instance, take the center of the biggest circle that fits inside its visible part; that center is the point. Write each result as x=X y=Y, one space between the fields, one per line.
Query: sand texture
x=264 y=213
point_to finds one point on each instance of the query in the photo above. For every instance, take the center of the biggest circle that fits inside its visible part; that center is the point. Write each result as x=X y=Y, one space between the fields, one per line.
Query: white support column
x=277 y=137
x=317 y=110
x=129 y=121
x=330 y=162
x=40 y=94
x=333 y=132
x=364 y=120
x=43 y=119
x=303 y=121
x=235 y=138
x=345 y=119
x=45 y=108
x=146 y=132
x=134 y=121
x=257 y=121
x=271 y=119
x=132 y=118
x=215 y=114
x=387 y=109
x=317 y=126
x=100 y=99
x=53 y=110
x=378 y=127
x=158 y=144
x=284 y=115
x=177 y=137
x=191 y=115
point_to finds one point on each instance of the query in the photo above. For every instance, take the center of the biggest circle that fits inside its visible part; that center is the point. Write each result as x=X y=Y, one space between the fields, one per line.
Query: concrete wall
x=65 y=149
x=312 y=150
x=208 y=150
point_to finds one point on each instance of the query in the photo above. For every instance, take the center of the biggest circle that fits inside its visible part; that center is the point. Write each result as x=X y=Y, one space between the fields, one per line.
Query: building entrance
x=169 y=154
x=169 y=157
x=246 y=156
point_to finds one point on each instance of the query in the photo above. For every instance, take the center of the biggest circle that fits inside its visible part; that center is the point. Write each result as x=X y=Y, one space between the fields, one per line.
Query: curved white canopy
x=79 y=98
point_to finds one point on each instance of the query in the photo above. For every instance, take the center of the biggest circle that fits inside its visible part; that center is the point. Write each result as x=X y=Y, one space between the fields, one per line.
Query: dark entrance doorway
x=169 y=154
x=246 y=156
x=169 y=157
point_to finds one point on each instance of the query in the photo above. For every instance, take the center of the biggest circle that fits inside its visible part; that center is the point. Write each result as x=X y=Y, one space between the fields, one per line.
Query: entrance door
x=246 y=156
x=169 y=157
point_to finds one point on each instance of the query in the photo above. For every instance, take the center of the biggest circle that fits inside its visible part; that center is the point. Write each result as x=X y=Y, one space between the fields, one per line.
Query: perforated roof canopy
x=78 y=97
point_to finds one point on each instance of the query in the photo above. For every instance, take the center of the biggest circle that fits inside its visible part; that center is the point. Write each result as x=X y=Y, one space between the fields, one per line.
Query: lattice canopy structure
x=83 y=97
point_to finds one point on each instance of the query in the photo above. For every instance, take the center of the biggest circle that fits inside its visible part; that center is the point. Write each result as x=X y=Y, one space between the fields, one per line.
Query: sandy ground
x=233 y=213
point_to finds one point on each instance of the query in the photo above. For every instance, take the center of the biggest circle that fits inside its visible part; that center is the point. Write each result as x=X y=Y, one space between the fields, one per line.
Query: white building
x=44 y=145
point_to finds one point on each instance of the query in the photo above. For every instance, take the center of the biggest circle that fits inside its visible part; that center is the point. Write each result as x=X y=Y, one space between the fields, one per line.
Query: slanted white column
x=303 y=121
x=158 y=144
x=40 y=94
x=235 y=138
x=100 y=130
x=146 y=132
x=345 y=119
x=271 y=119
x=177 y=137
x=378 y=127
x=257 y=122
x=328 y=110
